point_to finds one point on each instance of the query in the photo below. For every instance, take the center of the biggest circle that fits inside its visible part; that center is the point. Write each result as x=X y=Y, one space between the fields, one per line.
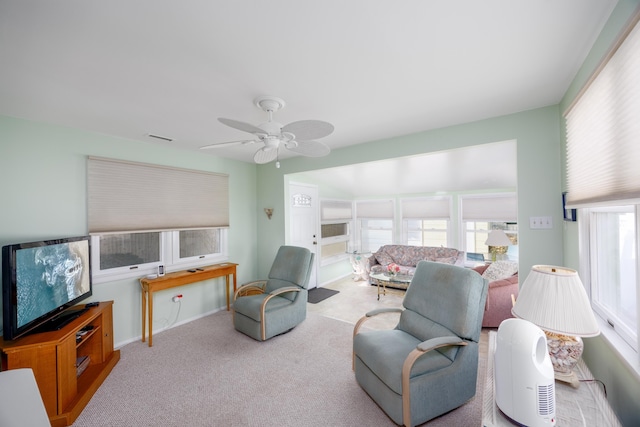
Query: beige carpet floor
x=205 y=373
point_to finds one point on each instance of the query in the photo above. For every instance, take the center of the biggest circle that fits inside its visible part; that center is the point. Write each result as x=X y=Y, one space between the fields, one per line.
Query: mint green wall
x=623 y=385
x=539 y=184
x=43 y=179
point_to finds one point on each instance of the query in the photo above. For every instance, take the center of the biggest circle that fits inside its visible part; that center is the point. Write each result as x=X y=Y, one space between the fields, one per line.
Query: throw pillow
x=500 y=270
x=383 y=258
x=448 y=260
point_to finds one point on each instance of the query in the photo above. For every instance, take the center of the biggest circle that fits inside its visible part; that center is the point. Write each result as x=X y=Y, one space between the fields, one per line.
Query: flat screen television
x=40 y=280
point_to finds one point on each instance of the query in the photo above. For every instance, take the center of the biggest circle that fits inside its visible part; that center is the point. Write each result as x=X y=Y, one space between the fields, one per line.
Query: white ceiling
x=481 y=167
x=373 y=68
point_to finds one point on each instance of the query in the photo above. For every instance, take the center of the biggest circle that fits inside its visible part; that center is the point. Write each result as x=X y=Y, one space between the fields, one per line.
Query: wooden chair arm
x=251 y=288
x=371 y=314
x=363 y=319
x=421 y=349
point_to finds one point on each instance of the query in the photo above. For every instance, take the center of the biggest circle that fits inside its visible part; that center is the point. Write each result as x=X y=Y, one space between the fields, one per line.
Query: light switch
x=540 y=222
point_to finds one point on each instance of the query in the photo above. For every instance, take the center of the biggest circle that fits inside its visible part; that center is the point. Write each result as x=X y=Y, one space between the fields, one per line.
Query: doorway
x=303 y=220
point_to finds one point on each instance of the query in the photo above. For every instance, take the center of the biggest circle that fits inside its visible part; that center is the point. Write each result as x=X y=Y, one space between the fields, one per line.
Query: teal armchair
x=265 y=308
x=428 y=364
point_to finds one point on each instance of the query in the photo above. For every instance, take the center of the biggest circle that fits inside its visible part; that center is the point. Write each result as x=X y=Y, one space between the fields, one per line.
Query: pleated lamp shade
x=497 y=238
x=554 y=299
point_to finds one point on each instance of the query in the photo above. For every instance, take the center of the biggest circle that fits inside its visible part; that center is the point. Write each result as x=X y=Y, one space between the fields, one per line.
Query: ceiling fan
x=297 y=136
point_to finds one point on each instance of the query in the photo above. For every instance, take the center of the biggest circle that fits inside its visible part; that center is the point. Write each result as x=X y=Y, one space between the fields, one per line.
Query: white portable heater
x=524 y=381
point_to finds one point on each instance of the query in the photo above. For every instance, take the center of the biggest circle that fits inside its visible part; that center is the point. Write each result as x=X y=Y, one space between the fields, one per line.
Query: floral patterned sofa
x=407 y=257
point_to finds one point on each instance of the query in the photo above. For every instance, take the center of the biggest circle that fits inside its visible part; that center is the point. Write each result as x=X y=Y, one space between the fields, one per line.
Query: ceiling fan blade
x=228 y=143
x=310 y=148
x=265 y=155
x=245 y=127
x=305 y=130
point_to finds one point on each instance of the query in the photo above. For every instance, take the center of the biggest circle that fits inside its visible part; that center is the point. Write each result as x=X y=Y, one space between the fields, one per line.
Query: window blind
x=431 y=208
x=129 y=196
x=503 y=207
x=332 y=210
x=374 y=209
x=603 y=130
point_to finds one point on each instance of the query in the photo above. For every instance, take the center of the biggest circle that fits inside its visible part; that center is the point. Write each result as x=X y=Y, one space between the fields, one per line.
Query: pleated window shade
x=490 y=208
x=603 y=130
x=375 y=209
x=432 y=208
x=127 y=197
x=334 y=210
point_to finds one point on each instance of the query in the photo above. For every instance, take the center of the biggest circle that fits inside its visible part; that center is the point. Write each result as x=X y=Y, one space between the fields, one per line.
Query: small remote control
x=92 y=304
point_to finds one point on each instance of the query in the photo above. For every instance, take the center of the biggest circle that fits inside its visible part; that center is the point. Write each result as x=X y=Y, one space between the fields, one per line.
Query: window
x=428 y=232
x=335 y=229
x=476 y=233
x=127 y=250
x=193 y=247
x=134 y=231
x=130 y=255
x=603 y=183
x=613 y=268
x=375 y=233
x=486 y=212
x=375 y=219
x=425 y=221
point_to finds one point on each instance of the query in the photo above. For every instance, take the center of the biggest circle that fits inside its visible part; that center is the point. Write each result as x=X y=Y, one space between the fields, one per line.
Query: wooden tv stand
x=52 y=356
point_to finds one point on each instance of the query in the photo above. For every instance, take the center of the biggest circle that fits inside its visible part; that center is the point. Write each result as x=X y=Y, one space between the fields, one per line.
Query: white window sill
x=627 y=354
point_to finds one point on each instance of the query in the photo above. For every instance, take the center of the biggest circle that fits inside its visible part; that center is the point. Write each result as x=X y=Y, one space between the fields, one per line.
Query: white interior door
x=303 y=211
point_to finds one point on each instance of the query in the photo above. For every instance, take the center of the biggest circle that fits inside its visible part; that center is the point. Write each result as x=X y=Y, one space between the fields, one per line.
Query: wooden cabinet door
x=67 y=380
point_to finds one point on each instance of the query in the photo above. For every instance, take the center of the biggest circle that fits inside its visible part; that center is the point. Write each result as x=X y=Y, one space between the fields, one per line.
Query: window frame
x=425 y=231
x=169 y=250
x=336 y=211
x=626 y=352
x=362 y=230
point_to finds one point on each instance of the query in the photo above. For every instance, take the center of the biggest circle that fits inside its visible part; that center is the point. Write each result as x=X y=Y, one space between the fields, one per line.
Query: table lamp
x=497 y=242
x=554 y=299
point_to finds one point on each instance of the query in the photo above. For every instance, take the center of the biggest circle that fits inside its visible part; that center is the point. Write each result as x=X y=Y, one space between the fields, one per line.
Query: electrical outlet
x=177 y=298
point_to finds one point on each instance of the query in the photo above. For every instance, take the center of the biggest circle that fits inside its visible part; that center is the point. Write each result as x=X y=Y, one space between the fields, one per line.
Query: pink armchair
x=498 y=305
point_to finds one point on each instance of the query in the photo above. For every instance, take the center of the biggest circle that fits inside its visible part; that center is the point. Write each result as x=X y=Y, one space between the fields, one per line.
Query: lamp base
x=570 y=378
x=565 y=352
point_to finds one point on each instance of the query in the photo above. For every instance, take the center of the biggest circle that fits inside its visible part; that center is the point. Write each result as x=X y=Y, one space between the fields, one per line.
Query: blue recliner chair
x=428 y=364
x=265 y=308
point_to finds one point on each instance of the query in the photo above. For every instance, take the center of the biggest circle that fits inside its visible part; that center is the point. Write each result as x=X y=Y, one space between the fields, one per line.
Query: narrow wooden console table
x=180 y=278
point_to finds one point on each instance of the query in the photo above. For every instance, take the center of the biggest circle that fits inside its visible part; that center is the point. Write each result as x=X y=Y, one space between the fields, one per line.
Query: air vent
x=546 y=400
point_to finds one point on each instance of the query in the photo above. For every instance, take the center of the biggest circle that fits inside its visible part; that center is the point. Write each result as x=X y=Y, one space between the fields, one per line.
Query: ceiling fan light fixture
x=297 y=137
x=269 y=103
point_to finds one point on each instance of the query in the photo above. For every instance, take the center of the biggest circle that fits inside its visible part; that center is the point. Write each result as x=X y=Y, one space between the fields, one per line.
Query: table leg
x=144 y=314
x=227 y=290
x=234 y=281
x=150 y=318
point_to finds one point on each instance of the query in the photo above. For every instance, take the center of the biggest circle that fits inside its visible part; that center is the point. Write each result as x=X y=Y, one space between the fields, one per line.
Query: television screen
x=41 y=279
